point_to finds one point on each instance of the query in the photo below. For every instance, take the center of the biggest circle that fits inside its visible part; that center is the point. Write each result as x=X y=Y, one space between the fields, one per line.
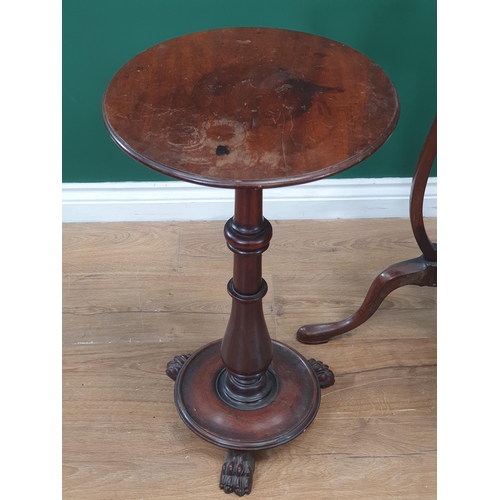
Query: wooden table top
x=250 y=107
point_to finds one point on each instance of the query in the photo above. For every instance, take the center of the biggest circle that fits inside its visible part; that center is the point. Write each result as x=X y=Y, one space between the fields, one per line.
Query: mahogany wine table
x=248 y=109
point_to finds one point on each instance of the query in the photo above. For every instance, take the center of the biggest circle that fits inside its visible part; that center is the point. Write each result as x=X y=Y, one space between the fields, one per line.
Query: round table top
x=250 y=107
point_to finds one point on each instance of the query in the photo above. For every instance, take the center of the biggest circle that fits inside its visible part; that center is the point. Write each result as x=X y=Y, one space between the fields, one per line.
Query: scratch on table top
x=287 y=168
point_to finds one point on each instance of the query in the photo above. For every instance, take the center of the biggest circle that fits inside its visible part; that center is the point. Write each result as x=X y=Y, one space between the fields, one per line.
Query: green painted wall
x=99 y=36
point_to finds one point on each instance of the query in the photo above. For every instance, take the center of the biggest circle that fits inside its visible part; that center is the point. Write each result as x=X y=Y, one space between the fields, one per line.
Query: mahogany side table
x=248 y=109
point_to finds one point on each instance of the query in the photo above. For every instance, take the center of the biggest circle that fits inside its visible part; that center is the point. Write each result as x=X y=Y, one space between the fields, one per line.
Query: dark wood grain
x=250 y=107
x=286 y=416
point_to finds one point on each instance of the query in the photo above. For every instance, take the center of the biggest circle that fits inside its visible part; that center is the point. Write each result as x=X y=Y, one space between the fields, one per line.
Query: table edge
x=258 y=183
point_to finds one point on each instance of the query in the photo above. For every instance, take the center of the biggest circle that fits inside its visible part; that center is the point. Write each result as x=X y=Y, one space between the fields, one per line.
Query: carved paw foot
x=237 y=472
x=325 y=376
x=174 y=366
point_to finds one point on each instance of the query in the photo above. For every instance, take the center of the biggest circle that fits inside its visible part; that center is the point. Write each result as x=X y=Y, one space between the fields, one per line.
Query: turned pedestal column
x=246 y=348
x=247 y=392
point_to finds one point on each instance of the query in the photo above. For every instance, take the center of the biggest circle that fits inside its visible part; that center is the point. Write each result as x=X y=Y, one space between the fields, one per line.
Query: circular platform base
x=290 y=412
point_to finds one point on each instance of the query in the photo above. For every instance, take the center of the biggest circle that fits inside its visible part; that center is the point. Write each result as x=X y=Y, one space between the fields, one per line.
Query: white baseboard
x=181 y=201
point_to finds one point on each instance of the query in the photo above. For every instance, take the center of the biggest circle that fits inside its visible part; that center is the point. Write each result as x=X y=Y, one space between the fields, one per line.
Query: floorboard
x=136 y=294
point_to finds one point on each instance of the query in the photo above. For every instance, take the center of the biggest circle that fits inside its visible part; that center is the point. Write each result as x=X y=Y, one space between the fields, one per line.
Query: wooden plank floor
x=136 y=294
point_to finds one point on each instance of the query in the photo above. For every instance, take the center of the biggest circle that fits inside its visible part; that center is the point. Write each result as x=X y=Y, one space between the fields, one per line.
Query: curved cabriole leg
x=237 y=472
x=421 y=271
x=419 y=183
x=174 y=366
x=410 y=272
